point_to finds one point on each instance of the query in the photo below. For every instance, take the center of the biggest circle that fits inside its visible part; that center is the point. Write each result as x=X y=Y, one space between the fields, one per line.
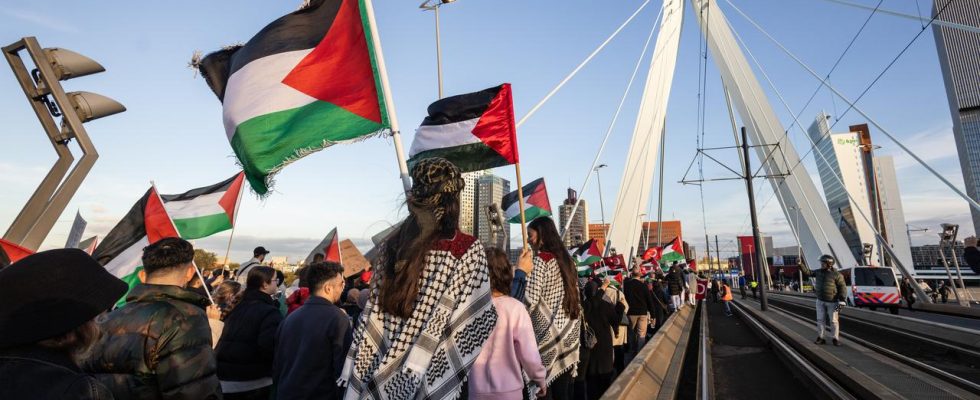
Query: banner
x=702 y=289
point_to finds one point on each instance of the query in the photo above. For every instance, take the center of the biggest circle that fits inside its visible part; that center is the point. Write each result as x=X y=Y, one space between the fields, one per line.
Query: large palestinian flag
x=121 y=251
x=536 y=203
x=207 y=210
x=329 y=248
x=475 y=131
x=306 y=81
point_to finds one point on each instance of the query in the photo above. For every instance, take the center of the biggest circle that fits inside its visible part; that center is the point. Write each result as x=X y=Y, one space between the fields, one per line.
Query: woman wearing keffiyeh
x=430 y=309
x=552 y=298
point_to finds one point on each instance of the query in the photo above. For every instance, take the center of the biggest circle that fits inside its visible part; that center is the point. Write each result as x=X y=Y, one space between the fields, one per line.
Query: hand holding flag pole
x=194 y=264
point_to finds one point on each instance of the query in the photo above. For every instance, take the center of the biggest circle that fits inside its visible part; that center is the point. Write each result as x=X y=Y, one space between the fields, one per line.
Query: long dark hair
x=550 y=241
x=403 y=256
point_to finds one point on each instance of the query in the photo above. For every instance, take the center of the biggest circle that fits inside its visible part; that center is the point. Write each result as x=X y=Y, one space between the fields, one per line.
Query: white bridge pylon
x=817 y=232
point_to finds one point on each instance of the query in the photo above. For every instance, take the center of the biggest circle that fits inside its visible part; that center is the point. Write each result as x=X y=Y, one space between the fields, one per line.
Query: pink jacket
x=496 y=373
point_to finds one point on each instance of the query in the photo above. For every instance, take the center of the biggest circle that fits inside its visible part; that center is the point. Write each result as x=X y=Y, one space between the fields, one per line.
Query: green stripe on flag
x=131 y=280
x=204 y=226
x=468 y=157
x=530 y=214
x=267 y=143
x=584 y=271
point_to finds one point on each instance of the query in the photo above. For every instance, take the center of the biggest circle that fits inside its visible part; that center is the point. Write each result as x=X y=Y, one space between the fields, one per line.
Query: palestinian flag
x=89 y=245
x=206 y=210
x=11 y=252
x=584 y=271
x=306 y=81
x=121 y=251
x=536 y=203
x=588 y=253
x=475 y=131
x=329 y=248
x=673 y=251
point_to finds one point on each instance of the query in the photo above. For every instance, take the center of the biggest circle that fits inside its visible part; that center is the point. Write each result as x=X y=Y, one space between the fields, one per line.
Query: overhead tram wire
x=702 y=95
x=612 y=124
x=973 y=203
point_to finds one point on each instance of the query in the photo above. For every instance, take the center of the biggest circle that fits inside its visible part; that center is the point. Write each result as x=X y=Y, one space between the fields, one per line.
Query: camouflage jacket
x=157 y=346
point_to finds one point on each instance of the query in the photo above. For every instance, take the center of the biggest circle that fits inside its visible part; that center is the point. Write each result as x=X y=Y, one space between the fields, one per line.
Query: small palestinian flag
x=329 y=248
x=536 y=203
x=584 y=270
x=475 y=131
x=121 y=251
x=206 y=210
x=306 y=81
x=11 y=252
x=588 y=253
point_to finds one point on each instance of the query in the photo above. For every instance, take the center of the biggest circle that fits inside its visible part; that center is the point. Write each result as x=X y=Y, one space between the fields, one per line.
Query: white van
x=872 y=287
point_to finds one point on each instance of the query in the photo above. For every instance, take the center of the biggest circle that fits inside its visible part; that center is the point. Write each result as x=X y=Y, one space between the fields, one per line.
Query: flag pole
x=396 y=135
x=234 y=223
x=194 y=264
x=520 y=200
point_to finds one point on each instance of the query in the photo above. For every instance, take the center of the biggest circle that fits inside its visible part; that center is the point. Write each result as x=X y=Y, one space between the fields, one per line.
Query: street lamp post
x=602 y=209
x=434 y=6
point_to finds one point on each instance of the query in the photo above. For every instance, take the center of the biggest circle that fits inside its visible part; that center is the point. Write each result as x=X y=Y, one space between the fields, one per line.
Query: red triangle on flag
x=156 y=221
x=496 y=127
x=339 y=69
x=14 y=252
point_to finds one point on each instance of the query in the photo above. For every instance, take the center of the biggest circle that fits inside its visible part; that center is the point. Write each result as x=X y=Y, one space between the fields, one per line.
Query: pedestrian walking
x=714 y=290
x=48 y=305
x=621 y=333
x=312 y=342
x=552 y=298
x=908 y=292
x=158 y=345
x=258 y=257
x=692 y=287
x=225 y=297
x=943 y=291
x=511 y=351
x=247 y=346
x=675 y=284
x=430 y=309
x=726 y=298
x=831 y=291
x=601 y=317
x=754 y=285
x=641 y=303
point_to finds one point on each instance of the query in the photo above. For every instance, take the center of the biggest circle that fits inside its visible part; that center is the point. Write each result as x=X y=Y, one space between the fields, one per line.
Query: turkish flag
x=652 y=254
x=702 y=289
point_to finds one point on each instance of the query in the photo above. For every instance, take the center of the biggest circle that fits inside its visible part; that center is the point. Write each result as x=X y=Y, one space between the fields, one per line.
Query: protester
x=908 y=292
x=298 y=297
x=675 y=283
x=726 y=297
x=258 y=257
x=430 y=296
x=660 y=300
x=552 y=298
x=640 y=300
x=350 y=304
x=617 y=298
x=511 y=349
x=312 y=342
x=47 y=319
x=715 y=288
x=247 y=345
x=225 y=296
x=831 y=290
x=158 y=345
x=601 y=316
x=692 y=286
x=741 y=286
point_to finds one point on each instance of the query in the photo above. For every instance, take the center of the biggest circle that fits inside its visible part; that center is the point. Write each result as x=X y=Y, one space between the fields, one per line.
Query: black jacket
x=247 y=345
x=972 y=256
x=638 y=296
x=311 y=347
x=675 y=282
x=34 y=372
x=602 y=318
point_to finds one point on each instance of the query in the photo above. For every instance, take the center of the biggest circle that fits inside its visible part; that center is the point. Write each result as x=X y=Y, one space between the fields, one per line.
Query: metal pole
x=602 y=208
x=660 y=202
x=757 y=237
x=942 y=253
x=718 y=252
x=438 y=51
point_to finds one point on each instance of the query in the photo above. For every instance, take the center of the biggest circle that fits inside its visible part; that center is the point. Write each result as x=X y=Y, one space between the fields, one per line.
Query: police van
x=872 y=287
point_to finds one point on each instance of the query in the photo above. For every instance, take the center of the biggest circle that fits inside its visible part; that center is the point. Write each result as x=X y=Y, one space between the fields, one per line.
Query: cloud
x=295 y=248
x=41 y=20
x=939 y=144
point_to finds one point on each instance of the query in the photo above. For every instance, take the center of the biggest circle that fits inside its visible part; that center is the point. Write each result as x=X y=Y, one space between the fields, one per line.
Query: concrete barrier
x=656 y=370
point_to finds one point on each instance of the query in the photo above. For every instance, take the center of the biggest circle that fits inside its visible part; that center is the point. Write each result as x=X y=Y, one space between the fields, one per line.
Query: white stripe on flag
x=127 y=261
x=199 y=206
x=257 y=89
x=514 y=209
x=428 y=137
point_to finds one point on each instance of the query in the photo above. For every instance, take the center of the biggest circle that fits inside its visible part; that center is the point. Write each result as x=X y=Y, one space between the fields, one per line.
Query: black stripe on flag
x=461 y=107
x=529 y=189
x=190 y=194
x=299 y=30
x=125 y=234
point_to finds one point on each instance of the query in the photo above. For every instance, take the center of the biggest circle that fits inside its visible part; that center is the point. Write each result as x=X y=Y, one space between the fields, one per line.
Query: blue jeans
x=728 y=307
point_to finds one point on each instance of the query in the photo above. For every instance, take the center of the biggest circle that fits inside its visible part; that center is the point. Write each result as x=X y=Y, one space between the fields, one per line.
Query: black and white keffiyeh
x=428 y=355
x=557 y=334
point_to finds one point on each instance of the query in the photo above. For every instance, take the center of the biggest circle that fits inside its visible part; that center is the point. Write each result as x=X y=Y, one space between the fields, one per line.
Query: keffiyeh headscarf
x=432 y=179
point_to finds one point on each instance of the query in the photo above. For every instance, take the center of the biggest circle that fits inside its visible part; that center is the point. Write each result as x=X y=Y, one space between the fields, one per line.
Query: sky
x=172 y=132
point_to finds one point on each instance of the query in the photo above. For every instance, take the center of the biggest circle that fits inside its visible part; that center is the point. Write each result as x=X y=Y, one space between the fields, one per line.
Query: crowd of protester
x=439 y=316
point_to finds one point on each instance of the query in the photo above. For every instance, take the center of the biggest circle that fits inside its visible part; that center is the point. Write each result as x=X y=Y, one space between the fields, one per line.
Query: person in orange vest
x=726 y=297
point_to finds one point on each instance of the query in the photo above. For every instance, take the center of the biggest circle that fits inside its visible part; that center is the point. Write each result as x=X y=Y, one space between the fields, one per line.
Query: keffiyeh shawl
x=428 y=355
x=557 y=334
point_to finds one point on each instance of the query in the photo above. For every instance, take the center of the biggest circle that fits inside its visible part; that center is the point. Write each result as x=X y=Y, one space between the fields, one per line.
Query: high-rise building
x=873 y=188
x=578 y=231
x=467 y=202
x=959 y=59
x=490 y=190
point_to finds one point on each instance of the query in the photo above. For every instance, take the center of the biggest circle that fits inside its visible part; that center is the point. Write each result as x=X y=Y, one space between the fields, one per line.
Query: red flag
x=702 y=289
x=329 y=248
x=12 y=252
x=652 y=254
x=615 y=263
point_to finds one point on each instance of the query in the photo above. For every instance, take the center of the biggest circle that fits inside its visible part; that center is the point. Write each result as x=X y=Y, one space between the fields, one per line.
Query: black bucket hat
x=52 y=292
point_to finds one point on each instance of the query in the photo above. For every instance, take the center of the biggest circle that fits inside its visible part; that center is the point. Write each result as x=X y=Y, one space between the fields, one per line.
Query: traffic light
x=42 y=86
